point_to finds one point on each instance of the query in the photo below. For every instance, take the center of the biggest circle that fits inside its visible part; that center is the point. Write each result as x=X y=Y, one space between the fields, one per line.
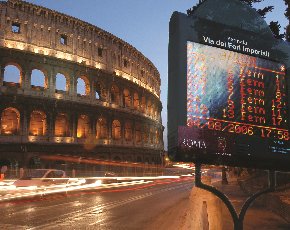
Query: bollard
x=205 y=209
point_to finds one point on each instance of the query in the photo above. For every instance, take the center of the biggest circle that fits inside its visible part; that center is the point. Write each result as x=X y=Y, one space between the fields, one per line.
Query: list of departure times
x=233 y=92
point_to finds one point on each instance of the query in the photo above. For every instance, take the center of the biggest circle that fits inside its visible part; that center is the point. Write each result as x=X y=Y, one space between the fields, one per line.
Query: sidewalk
x=256 y=217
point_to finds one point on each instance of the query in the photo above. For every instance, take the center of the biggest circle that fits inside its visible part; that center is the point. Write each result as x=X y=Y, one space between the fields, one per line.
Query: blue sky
x=143 y=24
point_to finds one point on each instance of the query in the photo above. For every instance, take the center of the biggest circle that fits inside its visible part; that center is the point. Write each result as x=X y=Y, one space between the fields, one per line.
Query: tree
x=287 y=14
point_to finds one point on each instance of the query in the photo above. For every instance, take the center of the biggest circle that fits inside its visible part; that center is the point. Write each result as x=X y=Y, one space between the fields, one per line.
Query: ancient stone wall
x=118 y=117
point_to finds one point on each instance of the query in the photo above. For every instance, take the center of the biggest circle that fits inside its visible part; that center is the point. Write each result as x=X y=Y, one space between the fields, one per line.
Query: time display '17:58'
x=236 y=127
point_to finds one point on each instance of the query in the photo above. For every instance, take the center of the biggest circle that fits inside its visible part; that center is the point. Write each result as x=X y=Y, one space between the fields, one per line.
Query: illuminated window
x=116 y=130
x=101 y=128
x=156 y=135
x=143 y=105
x=151 y=135
x=10 y=120
x=126 y=98
x=128 y=131
x=154 y=111
x=149 y=108
x=115 y=94
x=62 y=125
x=146 y=134
x=136 y=101
x=15 y=27
x=37 y=124
x=138 y=133
x=84 y=126
x=63 y=39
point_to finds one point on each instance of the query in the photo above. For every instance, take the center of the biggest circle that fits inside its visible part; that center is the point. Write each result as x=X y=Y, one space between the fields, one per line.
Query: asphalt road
x=133 y=207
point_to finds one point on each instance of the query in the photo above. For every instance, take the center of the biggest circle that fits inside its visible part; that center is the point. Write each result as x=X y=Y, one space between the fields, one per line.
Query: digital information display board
x=233 y=92
x=227 y=95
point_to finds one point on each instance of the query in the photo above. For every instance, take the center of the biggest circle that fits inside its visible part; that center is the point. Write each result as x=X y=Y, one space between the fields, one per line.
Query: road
x=133 y=207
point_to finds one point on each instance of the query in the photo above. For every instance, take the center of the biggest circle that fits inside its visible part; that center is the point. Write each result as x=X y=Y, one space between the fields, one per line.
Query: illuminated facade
x=75 y=83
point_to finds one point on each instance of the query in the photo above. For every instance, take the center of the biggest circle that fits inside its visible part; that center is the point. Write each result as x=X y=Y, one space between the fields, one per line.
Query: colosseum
x=74 y=96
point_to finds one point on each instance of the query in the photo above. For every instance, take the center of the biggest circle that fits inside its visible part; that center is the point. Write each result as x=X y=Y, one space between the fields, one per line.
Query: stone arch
x=101 y=128
x=136 y=101
x=12 y=166
x=114 y=94
x=138 y=133
x=149 y=107
x=38 y=123
x=84 y=126
x=144 y=105
x=139 y=159
x=154 y=110
x=101 y=91
x=156 y=137
x=13 y=74
x=147 y=160
x=36 y=74
x=116 y=130
x=86 y=90
x=10 y=121
x=35 y=163
x=151 y=136
x=62 y=125
x=128 y=131
x=62 y=81
x=146 y=134
x=126 y=98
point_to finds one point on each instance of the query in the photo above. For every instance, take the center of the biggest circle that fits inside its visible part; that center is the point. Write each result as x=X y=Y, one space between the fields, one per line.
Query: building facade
x=69 y=88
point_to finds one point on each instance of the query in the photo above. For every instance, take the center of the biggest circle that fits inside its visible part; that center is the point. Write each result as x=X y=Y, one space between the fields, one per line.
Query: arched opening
x=101 y=129
x=83 y=86
x=84 y=126
x=143 y=105
x=10 y=121
x=154 y=111
x=38 y=79
x=37 y=124
x=138 y=133
x=149 y=108
x=116 y=130
x=100 y=91
x=128 y=131
x=136 y=101
x=151 y=135
x=126 y=98
x=139 y=159
x=156 y=135
x=35 y=163
x=62 y=82
x=129 y=169
x=12 y=167
x=62 y=125
x=116 y=168
x=114 y=94
x=145 y=134
x=12 y=75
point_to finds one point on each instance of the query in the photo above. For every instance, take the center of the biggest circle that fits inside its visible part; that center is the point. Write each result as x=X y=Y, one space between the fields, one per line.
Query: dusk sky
x=144 y=25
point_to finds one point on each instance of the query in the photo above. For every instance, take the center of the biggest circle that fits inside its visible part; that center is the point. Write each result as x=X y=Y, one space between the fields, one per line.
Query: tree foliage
x=287 y=14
